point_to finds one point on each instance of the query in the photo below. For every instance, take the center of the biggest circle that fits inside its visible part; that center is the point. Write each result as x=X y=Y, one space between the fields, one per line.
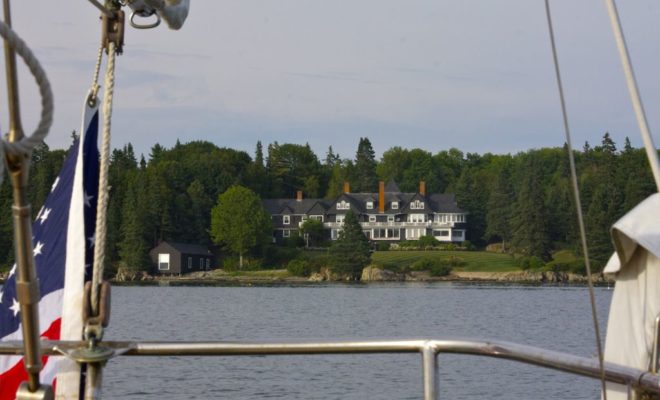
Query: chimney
x=299 y=195
x=422 y=188
x=381 y=197
x=347 y=187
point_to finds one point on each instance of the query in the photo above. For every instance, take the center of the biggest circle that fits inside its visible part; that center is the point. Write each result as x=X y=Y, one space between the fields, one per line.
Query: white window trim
x=370 y=205
x=372 y=218
x=390 y=218
x=208 y=263
x=189 y=262
x=395 y=205
x=286 y=219
x=286 y=233
x=163 y=258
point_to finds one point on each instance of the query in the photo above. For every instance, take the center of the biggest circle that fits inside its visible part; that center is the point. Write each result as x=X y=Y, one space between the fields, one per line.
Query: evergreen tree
x=133 y=250
x=350 y=253
x=499 y=211
x=530 y=224
x=365 y=179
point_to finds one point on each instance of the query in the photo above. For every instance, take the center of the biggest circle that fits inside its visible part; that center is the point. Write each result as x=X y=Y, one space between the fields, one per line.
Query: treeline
x=522 y=201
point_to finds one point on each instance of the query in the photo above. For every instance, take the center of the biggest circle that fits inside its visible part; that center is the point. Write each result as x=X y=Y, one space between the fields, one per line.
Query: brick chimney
x=299 y=195
x=422 y=188
x=381 y=197
x=347 y=187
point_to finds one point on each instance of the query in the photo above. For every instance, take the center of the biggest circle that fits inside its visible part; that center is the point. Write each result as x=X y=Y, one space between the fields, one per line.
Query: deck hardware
x=43 y=393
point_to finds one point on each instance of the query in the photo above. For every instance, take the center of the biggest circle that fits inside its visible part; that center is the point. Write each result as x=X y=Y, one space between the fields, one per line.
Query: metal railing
x=638 y=380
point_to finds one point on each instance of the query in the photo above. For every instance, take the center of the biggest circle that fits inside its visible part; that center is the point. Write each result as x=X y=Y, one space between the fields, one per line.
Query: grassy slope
x=475 y=260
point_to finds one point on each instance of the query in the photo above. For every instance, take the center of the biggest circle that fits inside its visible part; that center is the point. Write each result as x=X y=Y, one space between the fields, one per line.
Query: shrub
x=276 y=256
x=298 y=268
x=467 y=245
x=578 y=267
x=427 y=241
x=440 y=269
x=230 y=264
x=424 y=264
x=382 y=246
x=392 y=266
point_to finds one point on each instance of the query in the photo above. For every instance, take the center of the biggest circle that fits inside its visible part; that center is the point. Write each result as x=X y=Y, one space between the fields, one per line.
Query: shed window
x=163 y=262
x=201 y=263
x=189 y=262
x=208 y=263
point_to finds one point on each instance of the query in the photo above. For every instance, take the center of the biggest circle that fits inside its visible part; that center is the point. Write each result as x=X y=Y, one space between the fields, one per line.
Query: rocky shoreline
x=369 y=274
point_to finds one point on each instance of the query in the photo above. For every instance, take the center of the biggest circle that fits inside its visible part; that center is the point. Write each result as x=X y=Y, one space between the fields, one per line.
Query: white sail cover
x=636 y=299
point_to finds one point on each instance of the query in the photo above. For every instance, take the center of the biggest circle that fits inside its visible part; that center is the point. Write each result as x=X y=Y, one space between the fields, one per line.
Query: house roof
x=293 y=206
x=189 y=248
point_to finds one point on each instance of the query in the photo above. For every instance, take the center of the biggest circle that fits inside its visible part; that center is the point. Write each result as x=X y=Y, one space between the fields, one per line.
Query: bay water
x=551 y=317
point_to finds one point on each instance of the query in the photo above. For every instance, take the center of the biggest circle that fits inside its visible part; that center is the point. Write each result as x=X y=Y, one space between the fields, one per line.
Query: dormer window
x=343 y=205
x=395 y=205
x=286 y=219
x=417 y=205
x=370 y=205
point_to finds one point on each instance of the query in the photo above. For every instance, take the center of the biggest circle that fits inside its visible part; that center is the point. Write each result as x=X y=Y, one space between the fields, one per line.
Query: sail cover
x=636 y=299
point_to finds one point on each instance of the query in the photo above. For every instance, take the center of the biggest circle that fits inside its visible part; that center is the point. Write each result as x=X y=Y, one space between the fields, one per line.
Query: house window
x=395 y=205
x=340 y=218
x=370 y=205
x=416 y=217
x=208 y=263
x=372 y=218
x=163 y=262
x=201 y=263
x=441 y=233
x=343 y=205
x=189 y=262
x=417 y=205
x=286 y=219
x=286 y=233
x=317 y=217
x=390 y=218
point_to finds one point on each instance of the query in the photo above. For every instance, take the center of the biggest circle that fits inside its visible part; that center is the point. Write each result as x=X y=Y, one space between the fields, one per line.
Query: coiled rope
x=27 y=143
x=578 y=203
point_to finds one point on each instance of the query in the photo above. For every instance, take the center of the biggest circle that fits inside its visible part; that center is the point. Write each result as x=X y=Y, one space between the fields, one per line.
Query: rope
x=651 y=152
x=102 y=204
x=95 y=79
x=26 y=144
x=578 y=203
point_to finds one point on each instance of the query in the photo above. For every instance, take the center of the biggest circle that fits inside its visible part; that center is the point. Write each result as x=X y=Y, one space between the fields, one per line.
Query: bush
x=382 y=246
x=440 y=270
x=532 y=262
x=427 y=241
x=276 y=256
x=315 y=264
x=467 y=245
x=392 y=266
x=230 y=264
x=424 y=264
x=298 y=268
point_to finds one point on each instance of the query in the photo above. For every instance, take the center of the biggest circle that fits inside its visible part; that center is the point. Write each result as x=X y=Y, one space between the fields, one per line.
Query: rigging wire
x=631 y=82
x=578 y=204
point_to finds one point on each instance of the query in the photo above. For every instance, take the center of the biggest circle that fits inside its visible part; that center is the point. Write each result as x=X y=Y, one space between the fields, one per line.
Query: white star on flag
x=87 y=200
x=37 y=249
x=12 y=271
x=44 y=216
x=1 y=293
x=15 y=307
x=92 y=240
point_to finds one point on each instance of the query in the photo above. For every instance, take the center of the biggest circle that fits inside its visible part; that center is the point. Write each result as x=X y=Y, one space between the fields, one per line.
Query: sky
x=430 y=74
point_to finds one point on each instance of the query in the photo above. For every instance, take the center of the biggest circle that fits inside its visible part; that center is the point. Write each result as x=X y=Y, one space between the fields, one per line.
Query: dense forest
x=523 y=201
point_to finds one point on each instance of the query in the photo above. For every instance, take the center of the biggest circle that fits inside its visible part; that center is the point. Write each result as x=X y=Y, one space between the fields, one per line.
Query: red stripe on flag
x=11 y=380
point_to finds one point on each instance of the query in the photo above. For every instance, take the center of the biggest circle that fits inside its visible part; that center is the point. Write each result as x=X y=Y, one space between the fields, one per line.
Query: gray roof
x=439 y=203
x=190 y=248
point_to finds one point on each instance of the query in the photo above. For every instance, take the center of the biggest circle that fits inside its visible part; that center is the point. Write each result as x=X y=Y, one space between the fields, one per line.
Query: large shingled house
x=388 y=215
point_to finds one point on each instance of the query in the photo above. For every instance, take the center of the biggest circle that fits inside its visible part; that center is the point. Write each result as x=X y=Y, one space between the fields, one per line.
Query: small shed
x=180 y=258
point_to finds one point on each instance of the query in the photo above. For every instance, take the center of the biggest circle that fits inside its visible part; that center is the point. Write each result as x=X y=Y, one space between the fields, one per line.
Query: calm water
x=555 y=318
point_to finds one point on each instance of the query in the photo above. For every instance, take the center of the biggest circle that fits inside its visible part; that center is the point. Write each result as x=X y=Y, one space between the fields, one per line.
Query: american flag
x=63 y=240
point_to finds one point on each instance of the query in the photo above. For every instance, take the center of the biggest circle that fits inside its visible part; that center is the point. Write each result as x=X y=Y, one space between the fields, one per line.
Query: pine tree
x=365 y=179
x=350 y=253
x=498 y=214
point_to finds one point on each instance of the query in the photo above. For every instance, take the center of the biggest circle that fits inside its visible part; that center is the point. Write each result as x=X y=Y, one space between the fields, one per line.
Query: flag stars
x=88 y=203
x=12 y=271
x=44 y=215
x=92 y=240
x=15 y=307
x=1 y=293
x=37 y=249
x=52 y=188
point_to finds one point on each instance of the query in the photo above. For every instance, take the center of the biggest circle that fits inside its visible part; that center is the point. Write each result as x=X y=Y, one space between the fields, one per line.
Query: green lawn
x=475 y=260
